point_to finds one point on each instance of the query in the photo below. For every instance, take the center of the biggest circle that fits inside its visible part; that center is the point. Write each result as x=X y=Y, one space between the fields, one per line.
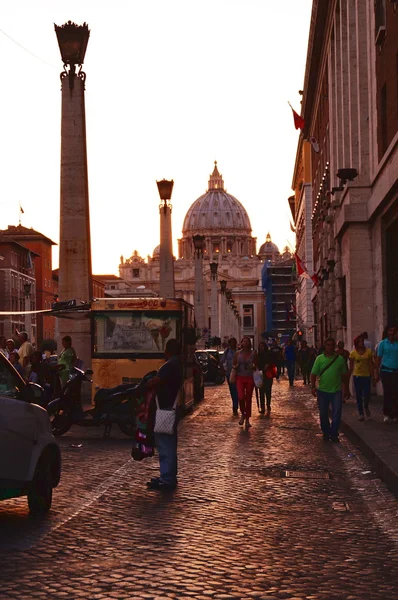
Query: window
x=9 y=383
x=118 y=333
x=248 y=315
x=113 y=287
x=136 y=273
x=45 y=282
x=380 y=20
x=383 y=118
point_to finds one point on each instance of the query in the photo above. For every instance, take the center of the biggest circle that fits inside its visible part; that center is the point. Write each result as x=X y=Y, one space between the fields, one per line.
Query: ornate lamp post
x=215 y=328
x=75 y=277
x=198 y=243
x=166 y=261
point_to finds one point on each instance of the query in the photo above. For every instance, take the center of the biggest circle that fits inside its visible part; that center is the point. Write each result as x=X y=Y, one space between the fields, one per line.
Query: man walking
x=227 y=362
x=304 y=361
x=290 y=356
x=331 y=368
x=167 y=384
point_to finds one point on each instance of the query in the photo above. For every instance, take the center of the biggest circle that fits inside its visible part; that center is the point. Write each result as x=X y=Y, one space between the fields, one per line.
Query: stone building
x=41 y=252
x=350 y=111
x=226 y=227
x=17 y=288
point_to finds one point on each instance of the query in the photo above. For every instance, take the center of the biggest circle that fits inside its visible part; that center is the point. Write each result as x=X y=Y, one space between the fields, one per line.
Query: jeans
x=166 y=446
x=362 y=392
x=245 y=387
x=291 y=369
x=306 y=370
x=389 y=379
x=234 y=393
x=336 y=400
x=265 y=393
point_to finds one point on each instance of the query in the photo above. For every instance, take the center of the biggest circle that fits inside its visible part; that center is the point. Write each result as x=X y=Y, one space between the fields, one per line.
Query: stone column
x=166 y=262
x=214 y=307
x=199 y=297
x=75 y=277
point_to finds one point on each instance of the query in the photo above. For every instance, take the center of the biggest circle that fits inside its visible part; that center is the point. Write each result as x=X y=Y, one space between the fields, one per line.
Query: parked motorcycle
x=211 y=369
x=111 y=405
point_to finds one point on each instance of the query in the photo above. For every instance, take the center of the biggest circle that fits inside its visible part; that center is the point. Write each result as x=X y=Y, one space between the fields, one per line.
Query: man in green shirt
x=331 y=369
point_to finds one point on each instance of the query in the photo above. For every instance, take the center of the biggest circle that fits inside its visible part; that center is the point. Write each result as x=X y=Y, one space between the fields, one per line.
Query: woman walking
x=265 y=364
x=361 y=364
x=387 y=366
x=245 y=362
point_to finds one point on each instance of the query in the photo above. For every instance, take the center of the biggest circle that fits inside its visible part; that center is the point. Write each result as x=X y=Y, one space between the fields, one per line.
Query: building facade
x=350 y=113
x=17 y=288
x=228 y=241
x=41 y=247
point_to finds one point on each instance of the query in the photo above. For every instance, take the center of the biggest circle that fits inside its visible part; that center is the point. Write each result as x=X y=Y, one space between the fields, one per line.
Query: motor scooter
x=111 y=405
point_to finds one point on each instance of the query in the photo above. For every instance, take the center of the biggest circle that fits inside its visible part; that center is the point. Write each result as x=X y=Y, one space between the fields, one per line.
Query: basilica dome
x=216 y=210
x=269 y=250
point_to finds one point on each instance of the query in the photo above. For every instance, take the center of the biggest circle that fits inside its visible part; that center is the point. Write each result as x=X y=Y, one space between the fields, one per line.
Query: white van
x=30 y=458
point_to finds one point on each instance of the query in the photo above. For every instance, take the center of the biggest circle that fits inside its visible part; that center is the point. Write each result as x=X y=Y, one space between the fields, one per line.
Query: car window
x=10 y=384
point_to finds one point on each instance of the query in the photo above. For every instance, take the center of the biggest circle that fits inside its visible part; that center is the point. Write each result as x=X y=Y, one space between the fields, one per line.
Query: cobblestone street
x=236 y=527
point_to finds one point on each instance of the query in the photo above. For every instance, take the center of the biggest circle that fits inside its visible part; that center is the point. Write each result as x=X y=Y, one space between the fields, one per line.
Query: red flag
x=302 y=270
x=298 y=121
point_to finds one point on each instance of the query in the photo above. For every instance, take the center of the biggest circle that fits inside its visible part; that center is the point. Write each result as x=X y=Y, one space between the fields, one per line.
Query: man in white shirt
x=25 y=350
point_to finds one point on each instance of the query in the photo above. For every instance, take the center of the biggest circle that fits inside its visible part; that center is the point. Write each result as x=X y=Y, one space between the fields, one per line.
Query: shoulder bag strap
x=329 y=365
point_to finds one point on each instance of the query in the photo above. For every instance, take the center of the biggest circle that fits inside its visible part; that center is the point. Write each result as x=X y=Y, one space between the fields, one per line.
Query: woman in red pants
x=245 y=362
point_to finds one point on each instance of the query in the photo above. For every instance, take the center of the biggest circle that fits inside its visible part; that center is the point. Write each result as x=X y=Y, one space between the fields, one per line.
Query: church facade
x=228 y=241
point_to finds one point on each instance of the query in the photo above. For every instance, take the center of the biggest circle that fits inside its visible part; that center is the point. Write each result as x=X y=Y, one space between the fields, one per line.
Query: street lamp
x=166 y=262
x=200 y=308
x=72 y=42
x=198 y=244
x=165 y=189
x=223 y=285
x=214 y=300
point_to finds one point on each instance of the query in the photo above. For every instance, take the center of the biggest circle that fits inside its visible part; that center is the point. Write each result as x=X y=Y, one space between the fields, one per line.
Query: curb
x=382 y=469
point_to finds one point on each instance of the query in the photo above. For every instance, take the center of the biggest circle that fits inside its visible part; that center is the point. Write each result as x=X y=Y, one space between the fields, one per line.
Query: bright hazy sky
x=171 y=86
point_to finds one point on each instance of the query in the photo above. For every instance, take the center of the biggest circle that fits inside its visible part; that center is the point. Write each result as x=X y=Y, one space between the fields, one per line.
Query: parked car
x=30 y=458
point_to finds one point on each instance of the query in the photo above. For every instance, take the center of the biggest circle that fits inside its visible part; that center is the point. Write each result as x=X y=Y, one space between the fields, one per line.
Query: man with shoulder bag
x=167 y=384
x=332 y=371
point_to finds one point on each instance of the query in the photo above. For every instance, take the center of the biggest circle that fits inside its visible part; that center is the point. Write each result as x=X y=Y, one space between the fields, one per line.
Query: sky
x=171 y=87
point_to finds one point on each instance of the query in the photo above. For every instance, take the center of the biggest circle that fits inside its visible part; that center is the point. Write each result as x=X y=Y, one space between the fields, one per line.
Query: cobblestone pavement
x=236 y=527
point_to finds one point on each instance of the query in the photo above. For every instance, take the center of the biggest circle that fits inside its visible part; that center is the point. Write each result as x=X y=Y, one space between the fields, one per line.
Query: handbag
x=165 y=419
x=258 y=378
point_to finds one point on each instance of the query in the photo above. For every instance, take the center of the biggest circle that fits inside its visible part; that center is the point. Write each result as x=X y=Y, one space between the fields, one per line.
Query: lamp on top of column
x=72 y=42
x=166 y=260
x=165 y=189
x=198 y=244
x=223 y=285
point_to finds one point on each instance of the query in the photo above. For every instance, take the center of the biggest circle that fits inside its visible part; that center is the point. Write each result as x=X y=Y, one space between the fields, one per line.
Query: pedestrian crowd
x=41 y=367
x=328 y=372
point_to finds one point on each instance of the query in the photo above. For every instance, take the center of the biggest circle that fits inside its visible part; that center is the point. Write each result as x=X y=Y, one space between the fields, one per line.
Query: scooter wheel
x=60 y=423
x=127 y=428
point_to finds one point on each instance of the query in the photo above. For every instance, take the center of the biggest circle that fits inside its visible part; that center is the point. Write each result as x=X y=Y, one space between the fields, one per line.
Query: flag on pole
x=21 y=210
x=302 y=270
x=298 y=120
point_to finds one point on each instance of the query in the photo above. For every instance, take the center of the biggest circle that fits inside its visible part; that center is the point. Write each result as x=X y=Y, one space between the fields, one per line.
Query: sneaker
x=334 y=438
x=160 y=485
x=367 y=412
x=326 y=437
x=241 y=420
x=361 y=418
x=247 y=424
x=386 y=420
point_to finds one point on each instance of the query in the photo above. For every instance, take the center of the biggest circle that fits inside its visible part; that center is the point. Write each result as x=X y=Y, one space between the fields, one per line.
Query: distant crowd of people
x=41 y=367
x=328 y=371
